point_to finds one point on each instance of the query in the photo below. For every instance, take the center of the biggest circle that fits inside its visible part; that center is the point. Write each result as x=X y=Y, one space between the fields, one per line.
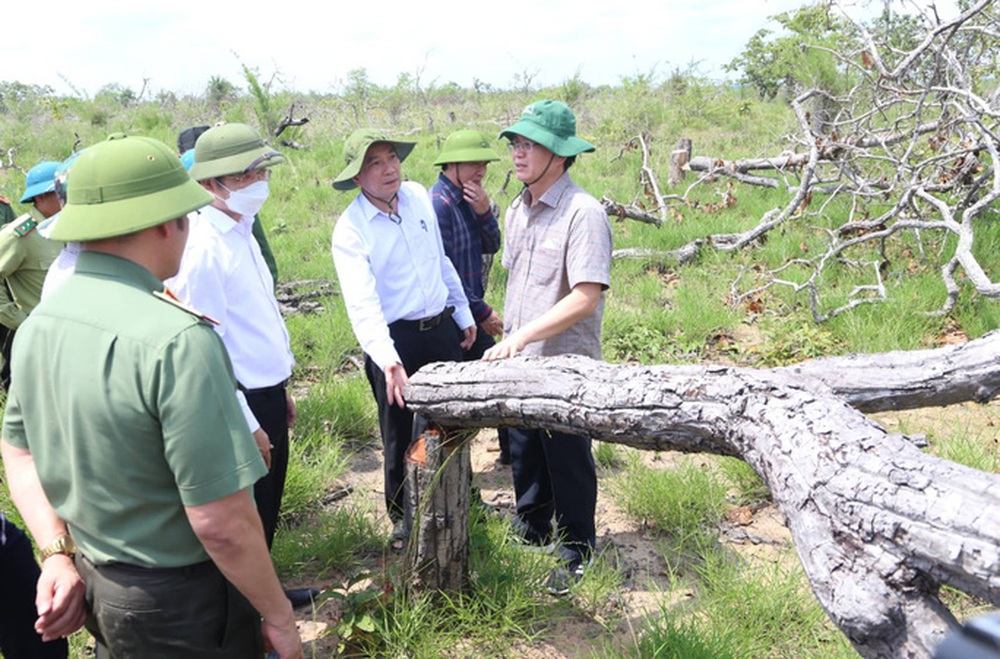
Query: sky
x=180 y=44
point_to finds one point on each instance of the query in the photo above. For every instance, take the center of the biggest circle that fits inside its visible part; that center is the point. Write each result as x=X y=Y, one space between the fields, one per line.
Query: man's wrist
x=62 y=545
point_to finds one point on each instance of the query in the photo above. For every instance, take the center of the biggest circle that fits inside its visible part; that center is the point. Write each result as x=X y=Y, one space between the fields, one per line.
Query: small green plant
x=360 y=610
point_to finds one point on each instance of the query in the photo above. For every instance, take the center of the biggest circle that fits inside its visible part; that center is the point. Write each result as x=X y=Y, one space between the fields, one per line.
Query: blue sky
x=181 y=44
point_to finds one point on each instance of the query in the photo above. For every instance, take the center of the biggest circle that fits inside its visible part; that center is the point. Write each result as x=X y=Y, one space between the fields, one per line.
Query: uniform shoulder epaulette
x=26 y=226
x=168 y=296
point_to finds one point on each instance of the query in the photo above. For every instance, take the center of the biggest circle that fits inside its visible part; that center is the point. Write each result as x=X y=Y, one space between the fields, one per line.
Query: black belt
x=429 y=323
x=262 y=390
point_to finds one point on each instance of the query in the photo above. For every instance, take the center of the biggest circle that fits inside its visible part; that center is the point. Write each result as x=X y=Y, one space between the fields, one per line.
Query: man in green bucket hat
x=469 y=230
x=124 y=447
x=403 y=297
x=558 y=253
x=224 y=274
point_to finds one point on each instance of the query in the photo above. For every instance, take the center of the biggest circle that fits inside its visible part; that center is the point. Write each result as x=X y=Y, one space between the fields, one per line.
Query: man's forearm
x=231 y=532
x=29 y=497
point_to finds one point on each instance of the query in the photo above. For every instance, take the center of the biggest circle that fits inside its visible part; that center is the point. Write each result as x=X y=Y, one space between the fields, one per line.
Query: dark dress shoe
x=301 y=596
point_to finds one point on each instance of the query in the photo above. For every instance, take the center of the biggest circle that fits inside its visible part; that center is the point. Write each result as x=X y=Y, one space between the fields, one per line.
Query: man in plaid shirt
x=558 y=253
x=469 y=229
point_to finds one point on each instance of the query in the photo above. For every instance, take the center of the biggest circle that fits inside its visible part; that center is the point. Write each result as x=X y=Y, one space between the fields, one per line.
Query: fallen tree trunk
x=878 y=525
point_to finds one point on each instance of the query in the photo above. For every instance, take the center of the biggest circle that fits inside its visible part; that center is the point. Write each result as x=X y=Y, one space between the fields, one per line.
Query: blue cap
x=40 y=179
x=187 y=159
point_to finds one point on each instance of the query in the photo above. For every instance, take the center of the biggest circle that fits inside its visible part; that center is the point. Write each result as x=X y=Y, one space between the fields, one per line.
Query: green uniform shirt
x=25 y=258
x=7 y=213
x=127 y=404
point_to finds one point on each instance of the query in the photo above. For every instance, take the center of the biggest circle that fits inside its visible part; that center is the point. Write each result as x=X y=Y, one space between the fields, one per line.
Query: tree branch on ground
x=878 y=525
x=908 y=154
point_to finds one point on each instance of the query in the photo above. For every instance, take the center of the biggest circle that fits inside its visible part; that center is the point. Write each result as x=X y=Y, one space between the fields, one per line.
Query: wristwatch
x=61 y=545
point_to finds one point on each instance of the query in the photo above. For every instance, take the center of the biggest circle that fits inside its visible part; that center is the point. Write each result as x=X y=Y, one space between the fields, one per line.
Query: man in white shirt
x=404 y=299
x=224 y=276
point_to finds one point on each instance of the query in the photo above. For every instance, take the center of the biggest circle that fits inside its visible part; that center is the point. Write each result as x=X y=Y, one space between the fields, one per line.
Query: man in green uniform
x=7 y=213
x=126 y=451
x=25 y=256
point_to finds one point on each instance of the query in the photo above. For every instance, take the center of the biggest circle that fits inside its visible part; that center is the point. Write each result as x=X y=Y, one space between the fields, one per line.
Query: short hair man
x=469 y=229
x=126 y=446
x=223 y=274
x=25 y=256
x=558 y=254
x=403 y=296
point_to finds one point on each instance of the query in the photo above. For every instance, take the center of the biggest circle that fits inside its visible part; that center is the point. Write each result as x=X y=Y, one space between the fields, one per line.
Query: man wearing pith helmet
x=125 y=450
x=558 y=253
x=224 y=275
x=25 y=257
x=403 y=297
x=469 y=229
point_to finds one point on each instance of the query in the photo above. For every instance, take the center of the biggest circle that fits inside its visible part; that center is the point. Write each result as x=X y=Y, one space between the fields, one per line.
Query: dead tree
x=878 y=525
x=912 y=151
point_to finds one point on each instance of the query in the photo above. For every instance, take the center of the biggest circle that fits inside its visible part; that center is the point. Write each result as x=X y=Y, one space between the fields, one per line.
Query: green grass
x=686 y=501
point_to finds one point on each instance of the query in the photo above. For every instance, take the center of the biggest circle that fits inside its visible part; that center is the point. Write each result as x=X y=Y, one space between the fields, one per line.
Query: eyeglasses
x=522 y=147
x=252 y=176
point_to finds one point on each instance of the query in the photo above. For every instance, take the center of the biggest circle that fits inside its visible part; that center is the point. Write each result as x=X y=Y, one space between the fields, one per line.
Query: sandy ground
x=620 y=539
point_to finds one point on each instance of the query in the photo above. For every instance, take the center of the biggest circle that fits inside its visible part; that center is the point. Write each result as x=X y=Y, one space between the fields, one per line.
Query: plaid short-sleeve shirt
x=562 y=241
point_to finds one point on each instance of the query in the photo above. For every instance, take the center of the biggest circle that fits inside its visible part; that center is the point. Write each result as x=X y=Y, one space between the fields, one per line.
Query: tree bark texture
x=878 y=525
x=438 y=481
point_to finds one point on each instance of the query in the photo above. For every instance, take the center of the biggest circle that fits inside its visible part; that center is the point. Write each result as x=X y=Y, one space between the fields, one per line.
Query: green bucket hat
x=231 y=149
x=466 y=146
x=354 y=154
x=124 y=185
x=551 y=124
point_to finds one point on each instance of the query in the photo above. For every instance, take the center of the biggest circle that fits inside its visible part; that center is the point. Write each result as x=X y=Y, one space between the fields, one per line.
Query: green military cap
x=466 y=146
x=551 y=124
x=231 y=149
x=124 y=185
x=354 y=154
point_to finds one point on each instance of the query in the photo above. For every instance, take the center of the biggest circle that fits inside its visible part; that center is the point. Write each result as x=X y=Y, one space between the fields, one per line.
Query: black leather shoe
x=301 y=596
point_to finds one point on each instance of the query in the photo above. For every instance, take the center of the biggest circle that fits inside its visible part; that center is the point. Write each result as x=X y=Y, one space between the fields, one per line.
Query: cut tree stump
x=438 y=482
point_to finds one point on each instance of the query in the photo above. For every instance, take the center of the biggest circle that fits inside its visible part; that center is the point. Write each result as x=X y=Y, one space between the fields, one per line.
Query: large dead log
x=878 y=525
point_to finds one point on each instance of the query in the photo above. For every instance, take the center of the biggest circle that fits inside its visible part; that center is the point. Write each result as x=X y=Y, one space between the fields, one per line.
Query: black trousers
x=168 y=612
x=483 y=343
x=415 y=348
x=270 y=406
x=18 y=577
x=6 y=347
x=554 y=473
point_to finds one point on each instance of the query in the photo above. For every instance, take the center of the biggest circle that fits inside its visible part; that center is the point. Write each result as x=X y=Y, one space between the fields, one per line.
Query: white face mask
x=247 y=201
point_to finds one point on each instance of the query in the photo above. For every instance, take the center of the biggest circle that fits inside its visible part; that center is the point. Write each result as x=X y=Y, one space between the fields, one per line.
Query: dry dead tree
x=910 y=159
x=878 y=525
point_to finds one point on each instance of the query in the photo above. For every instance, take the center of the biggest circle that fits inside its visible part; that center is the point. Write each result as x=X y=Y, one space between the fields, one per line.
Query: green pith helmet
x=231 y=149
x=124 y=185
x=551 y=124
x=354 y=154
x=466 y=146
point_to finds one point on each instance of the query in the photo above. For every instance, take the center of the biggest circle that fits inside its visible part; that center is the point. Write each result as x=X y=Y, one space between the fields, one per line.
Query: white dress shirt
x=224 y=276
x=393 y=270
x=61 y=269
